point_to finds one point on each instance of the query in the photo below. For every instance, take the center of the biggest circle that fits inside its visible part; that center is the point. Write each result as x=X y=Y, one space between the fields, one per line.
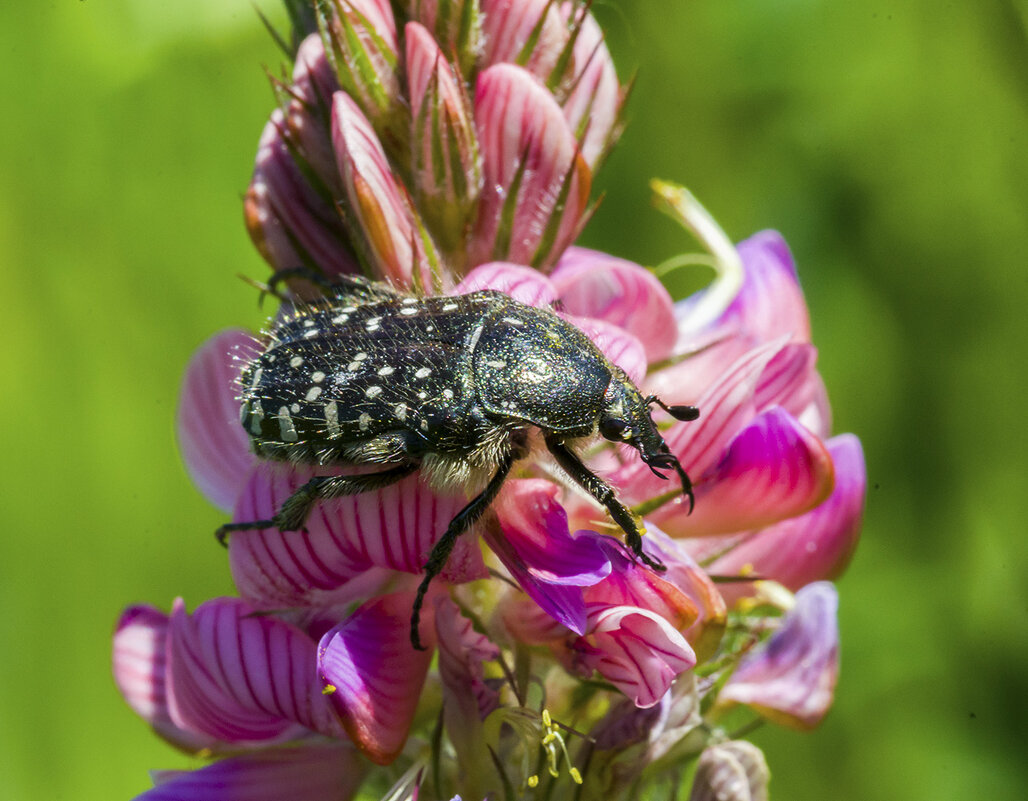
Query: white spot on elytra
x=311 y=333
x=257 y=376
x=348 y=309
x=353 y=366
x=340 y=319
x=409 y=302
x=448 y=394
x=285 y=426
x=373 y=327
x=513 y=321
x=430 y=329
x=360 y=357
x=332 y=418
x=386 y=371
x=256 y=417
x=400 y=410
x=373 y=392
x=295 y=407
x=422 y=395
x=497 y=363
x=364 y=421
x=424 y=372
x=308 y=323
x=317 y=376
x=424 y=425
x=373 y=321
x=449 y=307
x=313 y=392
x=296 y=361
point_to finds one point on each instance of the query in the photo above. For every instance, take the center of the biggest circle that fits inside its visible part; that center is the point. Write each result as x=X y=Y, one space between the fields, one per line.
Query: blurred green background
x=887 y=141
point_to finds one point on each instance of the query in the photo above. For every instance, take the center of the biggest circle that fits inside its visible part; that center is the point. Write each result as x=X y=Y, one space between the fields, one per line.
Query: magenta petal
x=462 y=652
x=243 y=677
x=773 y=469
x=619 y=346
x=526 y=145
x=394 y=527
x=374 y=675
x=593 y=284
x=791 y=677
x=215 y=448
x=549 y=563
x=508 y=25
x=817 y=545
x=310 y=773
x=140 y=671
x=522 y=283
x=636 y=650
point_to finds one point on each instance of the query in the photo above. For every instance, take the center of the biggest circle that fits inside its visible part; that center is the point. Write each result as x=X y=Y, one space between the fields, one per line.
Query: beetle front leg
x=440 y=553
x=293 y=513
x=605 y=495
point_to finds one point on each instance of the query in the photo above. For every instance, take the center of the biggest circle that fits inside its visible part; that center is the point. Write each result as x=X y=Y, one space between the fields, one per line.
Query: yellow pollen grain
x=328 y=689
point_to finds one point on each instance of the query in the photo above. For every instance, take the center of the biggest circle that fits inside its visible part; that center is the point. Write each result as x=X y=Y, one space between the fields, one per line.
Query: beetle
x=451 y=385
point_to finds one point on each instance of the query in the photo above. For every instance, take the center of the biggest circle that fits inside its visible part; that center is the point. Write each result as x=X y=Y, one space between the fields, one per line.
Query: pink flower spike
x=310 y=98
x=817 y=545
x=593 y=284
x=549 y=563
x=396 y=244
x=773 y=469
x=791 y=677
x=455 y=24
x=634 y=649
x=373 y=675
x=241 y=677
x=536 y=182
x=394 y=528
x=215 y=449
x=140 y=671
x=522 y=283
x=325 y=772
x=509 y=25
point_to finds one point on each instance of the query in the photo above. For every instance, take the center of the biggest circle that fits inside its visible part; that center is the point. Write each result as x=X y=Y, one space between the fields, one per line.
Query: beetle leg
x=605 y=495
x=294 y=511
x=464 y=519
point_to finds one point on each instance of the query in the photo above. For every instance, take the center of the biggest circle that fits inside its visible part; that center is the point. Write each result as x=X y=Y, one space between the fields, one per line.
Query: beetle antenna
x=683 y=413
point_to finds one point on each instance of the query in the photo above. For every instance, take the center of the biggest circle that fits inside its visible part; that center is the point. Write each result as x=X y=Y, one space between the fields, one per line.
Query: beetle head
x=626 y=418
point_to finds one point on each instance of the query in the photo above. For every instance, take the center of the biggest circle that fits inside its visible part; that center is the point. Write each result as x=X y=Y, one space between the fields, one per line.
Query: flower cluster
x=447 y=146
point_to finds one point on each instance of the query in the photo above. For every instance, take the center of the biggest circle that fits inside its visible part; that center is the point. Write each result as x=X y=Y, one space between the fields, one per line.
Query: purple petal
x=215 y=448
x=636 y=650
x=791 y=677
x=522 y=283
x=619 y=346
x=243 y=677
x=770 y=303
x=394 y=527
x=817 y=545
x=773 y=469
x=384 y=217
x=524 y=138
x=374 y=675
x=549 y=563
x=140 y=671
x=314 y=83
x=311 y=773
x=593 y=284
x=462 y=652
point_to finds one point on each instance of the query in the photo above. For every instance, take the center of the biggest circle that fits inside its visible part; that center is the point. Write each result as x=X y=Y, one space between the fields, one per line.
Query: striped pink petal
x=614 y=342
x=791 y=677
x=242 y=677
x=385 y=221
x=373 y=675
x=314 y=83
x=593 y=284
x=551 y=564
x=522 y=283
x=140 y=671
x=462 y=653
x=527 y=148
x=773 y=469
x=509 y=25
x=594 y=105
x=215 y=448
x=311 y=773
x=289 y=222
x=394 y=527
x=634 y=649
x=813 y=546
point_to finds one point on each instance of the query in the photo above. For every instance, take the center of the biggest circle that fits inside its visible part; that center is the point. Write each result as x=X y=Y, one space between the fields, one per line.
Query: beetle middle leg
x=297 y=507
x=605 y=495
x=464 y=519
